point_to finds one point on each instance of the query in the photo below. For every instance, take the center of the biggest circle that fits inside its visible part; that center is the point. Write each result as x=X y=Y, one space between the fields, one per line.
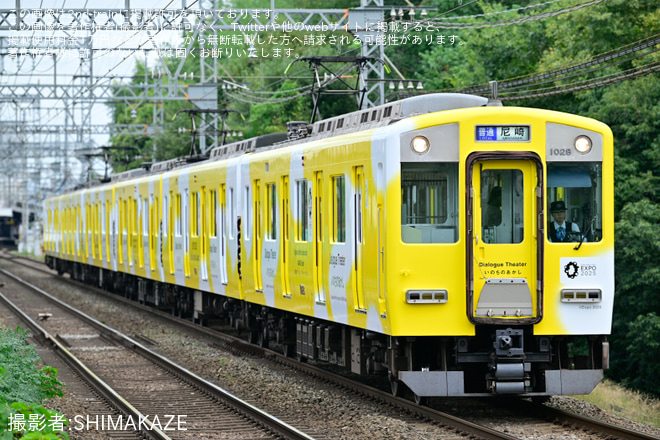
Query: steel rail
x=145 y=427
x=271 y=423
x=587 y=423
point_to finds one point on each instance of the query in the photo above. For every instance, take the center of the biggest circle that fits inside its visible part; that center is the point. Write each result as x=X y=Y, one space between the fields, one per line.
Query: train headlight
x=420 y=145
x=583 y=144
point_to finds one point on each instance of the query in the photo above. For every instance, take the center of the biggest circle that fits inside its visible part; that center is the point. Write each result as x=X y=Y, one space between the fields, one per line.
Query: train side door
x=258 y=239
x=378 y=188
x=177 y=239
x=318 y=237
x=285 y=236
x=203 y=236
x=505 y=241
x=224 y=249
x=358 y=242
x=185 y=223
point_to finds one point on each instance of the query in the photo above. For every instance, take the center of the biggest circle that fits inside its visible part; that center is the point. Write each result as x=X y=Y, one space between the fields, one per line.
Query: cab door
x=505 y=238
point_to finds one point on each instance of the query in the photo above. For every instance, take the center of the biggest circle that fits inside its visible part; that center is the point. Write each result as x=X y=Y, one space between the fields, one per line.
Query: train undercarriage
x=498 y=360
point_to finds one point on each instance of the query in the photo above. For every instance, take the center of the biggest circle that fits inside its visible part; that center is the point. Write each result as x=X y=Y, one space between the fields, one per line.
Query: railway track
x=153 y=397
x=535 y=421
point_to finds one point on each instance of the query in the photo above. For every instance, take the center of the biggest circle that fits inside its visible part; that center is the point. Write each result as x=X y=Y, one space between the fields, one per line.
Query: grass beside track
x=623 y=402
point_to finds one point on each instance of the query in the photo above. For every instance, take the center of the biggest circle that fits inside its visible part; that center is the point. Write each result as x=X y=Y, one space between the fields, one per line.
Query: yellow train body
x=422 y=225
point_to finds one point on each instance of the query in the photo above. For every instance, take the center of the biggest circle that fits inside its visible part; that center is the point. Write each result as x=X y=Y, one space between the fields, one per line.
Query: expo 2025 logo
x=571 y=269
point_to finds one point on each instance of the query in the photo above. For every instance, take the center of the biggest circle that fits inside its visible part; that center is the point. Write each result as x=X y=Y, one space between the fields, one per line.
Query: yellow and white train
x=410 y=239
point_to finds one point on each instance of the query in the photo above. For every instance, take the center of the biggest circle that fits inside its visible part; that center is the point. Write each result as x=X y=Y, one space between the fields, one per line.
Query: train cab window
x=502 y=199
x=574 y=196
x=303 y=210
x=339 y=209
x=429 y=202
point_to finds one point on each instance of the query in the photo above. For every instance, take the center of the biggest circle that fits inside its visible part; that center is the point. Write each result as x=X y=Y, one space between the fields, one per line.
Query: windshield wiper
x=584 y=236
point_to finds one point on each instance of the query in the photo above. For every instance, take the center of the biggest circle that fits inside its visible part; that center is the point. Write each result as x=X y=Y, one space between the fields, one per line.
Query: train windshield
x=429 y=202
x=574 y=202
x=502 y=206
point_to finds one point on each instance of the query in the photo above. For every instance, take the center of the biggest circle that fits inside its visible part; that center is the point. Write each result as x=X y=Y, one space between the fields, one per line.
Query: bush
x=23 y=387
x=20 y=380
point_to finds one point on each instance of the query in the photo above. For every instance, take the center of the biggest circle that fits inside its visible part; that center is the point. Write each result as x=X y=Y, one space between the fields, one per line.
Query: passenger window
x=429 y=202
x=232 y=215
x=339 y=209
x=271 y=213
x=303 y=210
x=195 y=214
x=145 y=217
x=124 y=215
x=178 y=230
x=134 y=217
x=213 y=206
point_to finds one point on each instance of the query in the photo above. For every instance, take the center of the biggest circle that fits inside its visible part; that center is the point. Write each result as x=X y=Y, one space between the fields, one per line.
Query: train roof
x=353 y=122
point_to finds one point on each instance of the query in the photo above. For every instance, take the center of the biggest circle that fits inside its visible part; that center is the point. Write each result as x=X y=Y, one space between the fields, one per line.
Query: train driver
x=559 y=229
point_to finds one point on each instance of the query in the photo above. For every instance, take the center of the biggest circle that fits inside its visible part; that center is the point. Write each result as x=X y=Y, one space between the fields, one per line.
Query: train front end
x=501 y=254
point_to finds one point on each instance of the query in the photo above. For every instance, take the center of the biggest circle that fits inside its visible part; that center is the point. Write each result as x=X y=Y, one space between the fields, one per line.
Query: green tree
x=643 y=344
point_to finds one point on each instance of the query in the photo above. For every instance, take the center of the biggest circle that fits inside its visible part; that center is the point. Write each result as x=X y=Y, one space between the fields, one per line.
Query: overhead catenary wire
x=488 y=14
x=440 y=22
x=605 y=80
x=624 y=54
x=252 y=98
x=612 y=56
x=243 y=97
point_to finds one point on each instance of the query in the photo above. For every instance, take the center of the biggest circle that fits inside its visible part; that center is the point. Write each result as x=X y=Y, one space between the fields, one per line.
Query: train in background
x=10 y=221
x=409 y=240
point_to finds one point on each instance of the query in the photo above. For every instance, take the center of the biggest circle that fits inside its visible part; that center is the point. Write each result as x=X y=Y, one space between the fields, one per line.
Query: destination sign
x=503 y=133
